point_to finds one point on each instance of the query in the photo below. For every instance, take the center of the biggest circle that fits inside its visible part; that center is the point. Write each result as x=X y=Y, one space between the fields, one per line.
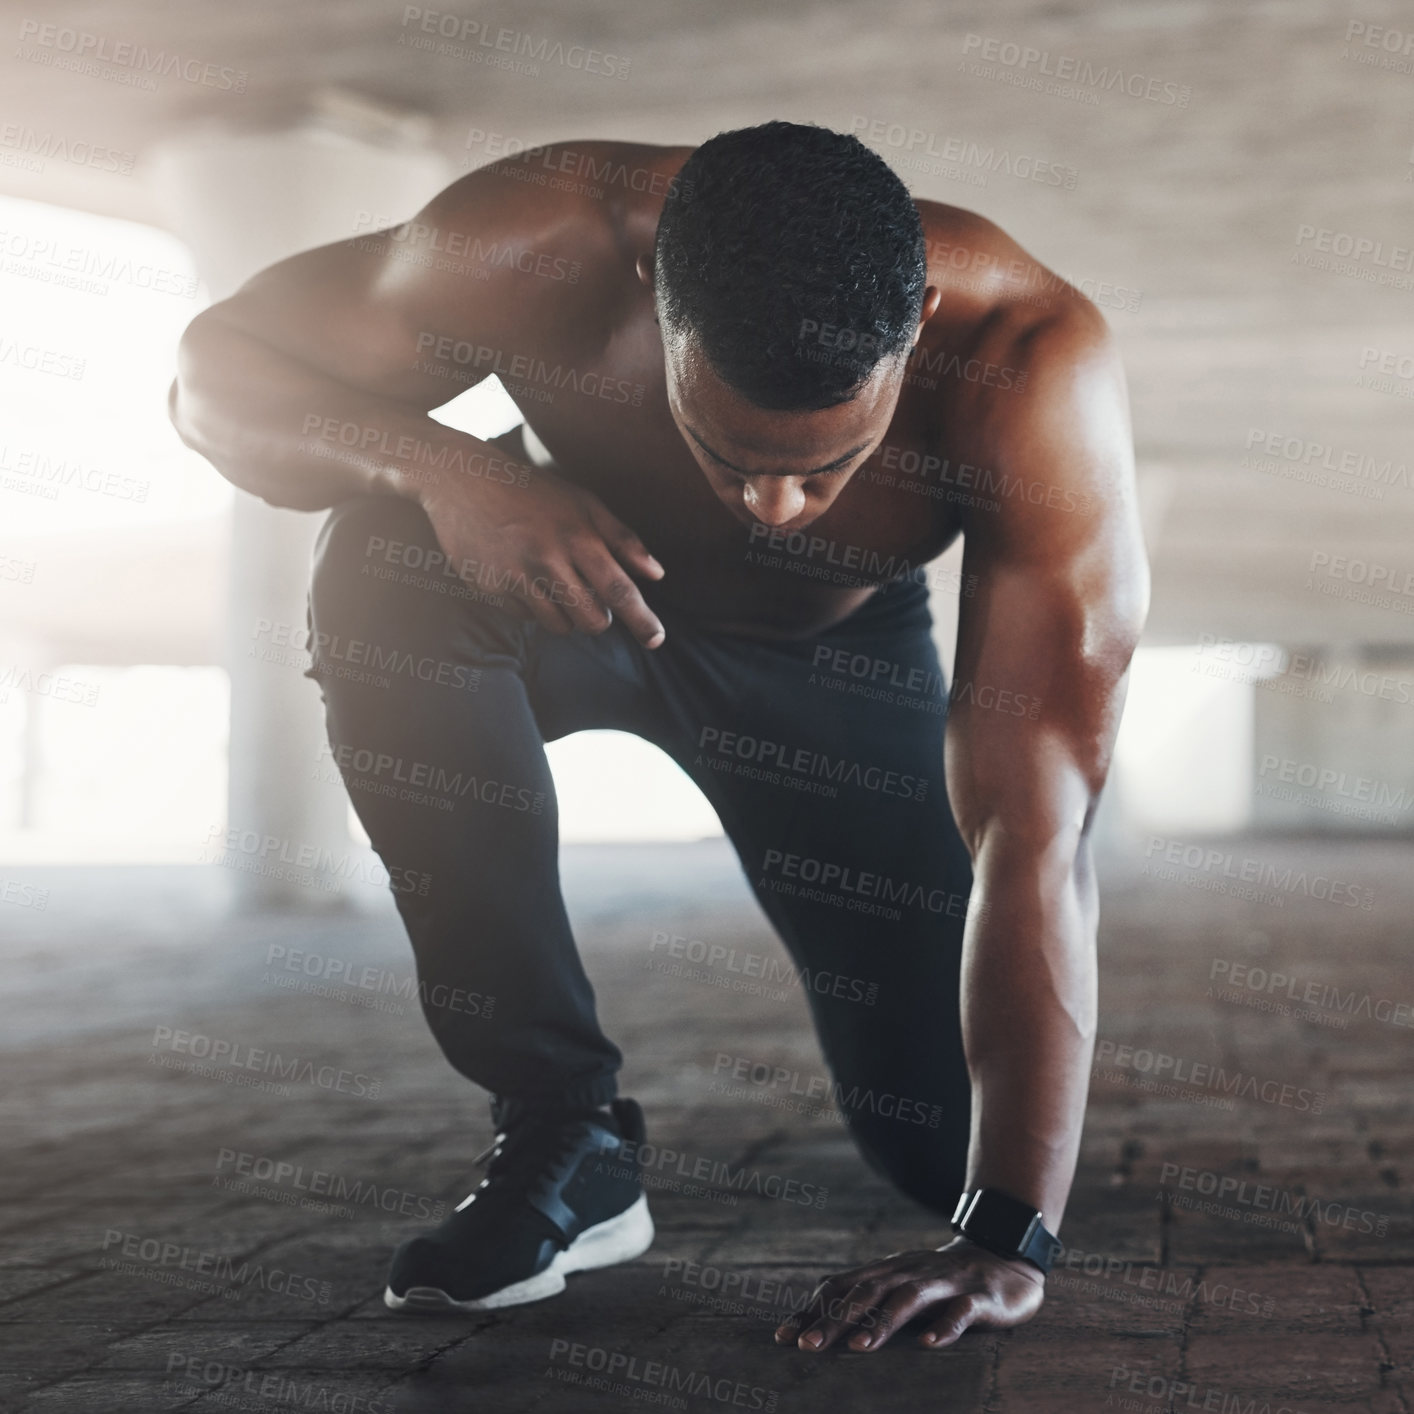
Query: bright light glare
x=1183 y=758
x=612 y=786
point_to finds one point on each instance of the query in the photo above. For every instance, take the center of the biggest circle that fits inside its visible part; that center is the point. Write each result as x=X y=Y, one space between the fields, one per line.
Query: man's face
x=783 y=469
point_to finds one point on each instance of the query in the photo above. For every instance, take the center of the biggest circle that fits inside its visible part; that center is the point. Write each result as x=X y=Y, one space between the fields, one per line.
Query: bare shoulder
x=1036 y=394
x=532 y=241
x=999 y=298
x=579 y=187
x=1055 y=513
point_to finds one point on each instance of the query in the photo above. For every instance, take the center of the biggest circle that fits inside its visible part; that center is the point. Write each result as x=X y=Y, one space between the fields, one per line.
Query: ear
x=644 y=266
x=932 y=298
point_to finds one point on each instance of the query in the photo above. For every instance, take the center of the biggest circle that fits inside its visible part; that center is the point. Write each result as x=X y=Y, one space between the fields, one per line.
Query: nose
x=774 y=500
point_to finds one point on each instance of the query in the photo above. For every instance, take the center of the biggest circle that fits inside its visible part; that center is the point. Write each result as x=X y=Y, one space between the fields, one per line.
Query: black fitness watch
x=1006 y=1226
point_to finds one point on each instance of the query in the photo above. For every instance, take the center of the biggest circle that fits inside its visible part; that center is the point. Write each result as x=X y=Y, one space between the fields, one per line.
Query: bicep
x=1037 y=689
x=1062 y=589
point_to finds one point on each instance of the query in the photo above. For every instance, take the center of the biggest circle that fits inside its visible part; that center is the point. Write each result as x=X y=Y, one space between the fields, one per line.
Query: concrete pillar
x=32 y=751
x=242 y=200
x=34 y=656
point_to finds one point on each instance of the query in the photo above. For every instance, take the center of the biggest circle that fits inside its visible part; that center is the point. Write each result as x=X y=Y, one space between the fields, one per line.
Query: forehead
x=762 y=466
x=691 y=374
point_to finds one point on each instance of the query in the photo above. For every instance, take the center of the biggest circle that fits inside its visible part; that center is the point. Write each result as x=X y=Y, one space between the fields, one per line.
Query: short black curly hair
x=796 y=257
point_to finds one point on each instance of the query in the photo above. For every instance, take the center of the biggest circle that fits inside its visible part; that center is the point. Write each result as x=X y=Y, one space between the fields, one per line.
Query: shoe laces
x=530 y=1154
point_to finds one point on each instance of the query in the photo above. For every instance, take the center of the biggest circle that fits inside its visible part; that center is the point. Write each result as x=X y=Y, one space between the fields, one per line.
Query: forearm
x=297 y=438
x=1029 y=1006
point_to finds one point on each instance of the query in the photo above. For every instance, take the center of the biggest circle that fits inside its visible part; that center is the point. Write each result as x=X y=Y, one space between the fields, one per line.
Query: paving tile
x=1083 y=1374
x=190 y=1350
x=18 y=1283
x=109 y=1392
x=1303 y=1368
x=53 y=1347
x=1308 y=1298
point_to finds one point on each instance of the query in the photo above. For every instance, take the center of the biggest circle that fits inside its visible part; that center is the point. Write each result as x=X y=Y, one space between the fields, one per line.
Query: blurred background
x=1230 y=185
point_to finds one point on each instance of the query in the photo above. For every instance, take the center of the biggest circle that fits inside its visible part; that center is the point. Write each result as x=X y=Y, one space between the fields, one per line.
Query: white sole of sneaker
x=620 y=1239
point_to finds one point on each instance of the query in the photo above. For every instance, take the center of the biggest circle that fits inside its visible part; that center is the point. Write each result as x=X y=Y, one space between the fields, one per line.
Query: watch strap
x=1042 y=1248
x=1039 y=1246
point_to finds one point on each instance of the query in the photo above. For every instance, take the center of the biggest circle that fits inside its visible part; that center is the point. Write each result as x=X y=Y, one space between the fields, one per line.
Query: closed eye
x=838 y=464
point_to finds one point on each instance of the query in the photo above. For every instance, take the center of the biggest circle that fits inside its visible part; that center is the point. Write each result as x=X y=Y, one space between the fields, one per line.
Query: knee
x=363 y=536
x=378 y=565
x=927 y=1164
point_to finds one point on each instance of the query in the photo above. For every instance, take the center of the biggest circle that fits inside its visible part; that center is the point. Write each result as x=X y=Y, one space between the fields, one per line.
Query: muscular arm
x=1042 y=655
x=341 y=333
x=315 y=381
x=1061 y=598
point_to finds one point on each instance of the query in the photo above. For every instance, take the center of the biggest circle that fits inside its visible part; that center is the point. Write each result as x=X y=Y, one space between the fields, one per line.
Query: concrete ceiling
x=1196 y=205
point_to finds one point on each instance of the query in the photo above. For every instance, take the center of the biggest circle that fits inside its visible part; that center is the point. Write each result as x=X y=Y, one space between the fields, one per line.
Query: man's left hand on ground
x=955 y=1287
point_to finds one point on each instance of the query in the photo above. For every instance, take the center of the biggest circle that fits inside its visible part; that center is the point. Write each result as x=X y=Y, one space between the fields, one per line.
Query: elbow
x=172 y=412
x=195 y=355
x=176 y=415
x=272 y=490
x=1048 y=832
x=203 y=418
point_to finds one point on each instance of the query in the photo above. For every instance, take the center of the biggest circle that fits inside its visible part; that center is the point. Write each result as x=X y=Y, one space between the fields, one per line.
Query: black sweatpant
x=823 y=757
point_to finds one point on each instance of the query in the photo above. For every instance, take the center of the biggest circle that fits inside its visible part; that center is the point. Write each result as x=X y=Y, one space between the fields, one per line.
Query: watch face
x=1004 y=1222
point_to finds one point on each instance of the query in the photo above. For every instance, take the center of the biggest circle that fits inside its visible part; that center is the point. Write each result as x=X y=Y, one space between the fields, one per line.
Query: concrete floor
x=1164 y=1306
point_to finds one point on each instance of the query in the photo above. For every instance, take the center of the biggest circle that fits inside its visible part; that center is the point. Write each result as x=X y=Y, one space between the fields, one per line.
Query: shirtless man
x=764 y=389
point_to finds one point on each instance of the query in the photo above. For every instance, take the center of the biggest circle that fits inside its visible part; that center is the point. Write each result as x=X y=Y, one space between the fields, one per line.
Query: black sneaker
x=560 y=1195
